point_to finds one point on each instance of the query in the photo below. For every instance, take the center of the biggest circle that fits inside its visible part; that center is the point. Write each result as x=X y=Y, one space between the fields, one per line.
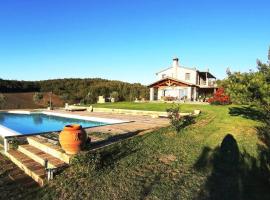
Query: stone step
x=40 y=156
x=28 y=165
x=49 y=148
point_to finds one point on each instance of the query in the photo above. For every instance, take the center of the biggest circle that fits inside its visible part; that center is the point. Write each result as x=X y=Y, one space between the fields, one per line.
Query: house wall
x=181 y=72
x=167 y=72
x=189 y=93
x=193 y=75
x=202 y=81
x=160 y=93
x=173 y=92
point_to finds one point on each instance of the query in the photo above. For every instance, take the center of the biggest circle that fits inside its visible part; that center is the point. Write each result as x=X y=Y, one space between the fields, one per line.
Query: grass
x=148 y=106
x=163 y=164
x=100 y=135
x=15 y=189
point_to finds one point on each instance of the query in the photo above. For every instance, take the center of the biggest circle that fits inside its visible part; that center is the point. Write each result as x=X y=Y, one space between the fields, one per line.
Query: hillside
x=25 y=100
x=78 y=90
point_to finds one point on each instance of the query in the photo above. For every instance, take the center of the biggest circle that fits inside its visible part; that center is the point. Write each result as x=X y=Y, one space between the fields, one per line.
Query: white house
x=182 y=83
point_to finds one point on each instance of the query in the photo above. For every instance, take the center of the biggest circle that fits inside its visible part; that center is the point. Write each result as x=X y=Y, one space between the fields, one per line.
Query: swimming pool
x=17 y=124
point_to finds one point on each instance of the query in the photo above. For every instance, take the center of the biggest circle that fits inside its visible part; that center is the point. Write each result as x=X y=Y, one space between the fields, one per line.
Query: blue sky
x=129 y=40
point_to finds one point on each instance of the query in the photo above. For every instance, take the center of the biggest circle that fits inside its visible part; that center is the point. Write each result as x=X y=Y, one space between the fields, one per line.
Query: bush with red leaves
x=219 y=98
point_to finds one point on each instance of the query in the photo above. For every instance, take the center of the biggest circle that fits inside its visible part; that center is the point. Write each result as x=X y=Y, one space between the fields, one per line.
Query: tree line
x=75 y=90
x=10 y=86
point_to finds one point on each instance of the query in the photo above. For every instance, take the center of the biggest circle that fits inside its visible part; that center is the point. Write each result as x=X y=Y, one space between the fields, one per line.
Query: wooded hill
x=78 y=90
x=24 y=100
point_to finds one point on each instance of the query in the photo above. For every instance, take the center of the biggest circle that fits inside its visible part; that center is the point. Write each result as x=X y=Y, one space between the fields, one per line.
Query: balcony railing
x=212 y=83
x=209 y=83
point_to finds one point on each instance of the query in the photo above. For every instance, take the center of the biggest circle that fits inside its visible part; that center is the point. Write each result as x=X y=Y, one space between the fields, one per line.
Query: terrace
x=192 y=164
x=43 y=151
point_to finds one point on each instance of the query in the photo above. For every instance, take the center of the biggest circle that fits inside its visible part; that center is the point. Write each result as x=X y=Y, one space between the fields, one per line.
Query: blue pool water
x=40 y=123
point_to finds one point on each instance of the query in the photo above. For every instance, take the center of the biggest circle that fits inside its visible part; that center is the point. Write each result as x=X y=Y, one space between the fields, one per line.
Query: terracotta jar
x=72 y=138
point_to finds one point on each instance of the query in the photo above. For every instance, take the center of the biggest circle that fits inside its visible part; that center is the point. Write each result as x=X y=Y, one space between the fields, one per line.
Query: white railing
x=209 y=83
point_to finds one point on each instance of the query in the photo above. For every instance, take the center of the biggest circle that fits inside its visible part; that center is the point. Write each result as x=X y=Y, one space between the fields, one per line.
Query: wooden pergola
x=167 y=82
x=171 y=82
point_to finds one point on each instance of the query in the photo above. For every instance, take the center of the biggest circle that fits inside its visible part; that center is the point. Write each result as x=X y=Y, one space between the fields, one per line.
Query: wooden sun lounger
x=70 y=108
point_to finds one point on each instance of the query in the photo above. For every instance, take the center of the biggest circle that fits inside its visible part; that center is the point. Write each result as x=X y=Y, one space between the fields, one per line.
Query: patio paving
x=31 y=157
x=138 y=123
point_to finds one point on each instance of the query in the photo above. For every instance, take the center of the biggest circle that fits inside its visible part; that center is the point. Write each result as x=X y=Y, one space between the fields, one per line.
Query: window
x=187 y=76
x=183 y=93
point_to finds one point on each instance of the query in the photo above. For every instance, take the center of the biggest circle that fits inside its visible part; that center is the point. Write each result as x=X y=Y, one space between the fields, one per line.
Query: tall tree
x=37 y=97
x=250 y=87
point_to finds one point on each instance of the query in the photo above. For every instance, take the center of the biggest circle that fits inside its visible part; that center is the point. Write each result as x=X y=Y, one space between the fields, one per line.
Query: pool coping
x=6 y=132
x=98 y=119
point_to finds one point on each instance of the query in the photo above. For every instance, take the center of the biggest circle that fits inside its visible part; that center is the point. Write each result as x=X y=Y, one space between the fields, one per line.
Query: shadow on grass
x=108 y=156
x=248 y=112
x=110 y=140
x=264 y=147
x=181 y=123
x=233 y=175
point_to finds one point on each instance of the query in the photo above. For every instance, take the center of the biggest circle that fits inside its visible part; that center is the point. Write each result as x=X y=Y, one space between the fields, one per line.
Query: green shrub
x=115 y=95
x=37 y=97
x=177 y=121
x=90 y=159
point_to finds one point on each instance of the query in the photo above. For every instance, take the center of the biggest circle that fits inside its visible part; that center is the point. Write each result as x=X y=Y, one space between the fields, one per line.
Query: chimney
x=175 y=62
x=175 y=66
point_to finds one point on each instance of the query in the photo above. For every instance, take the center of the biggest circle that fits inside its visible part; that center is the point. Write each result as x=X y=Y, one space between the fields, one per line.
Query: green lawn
x=148 y=106
x=23 y=188
x=168 y=165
